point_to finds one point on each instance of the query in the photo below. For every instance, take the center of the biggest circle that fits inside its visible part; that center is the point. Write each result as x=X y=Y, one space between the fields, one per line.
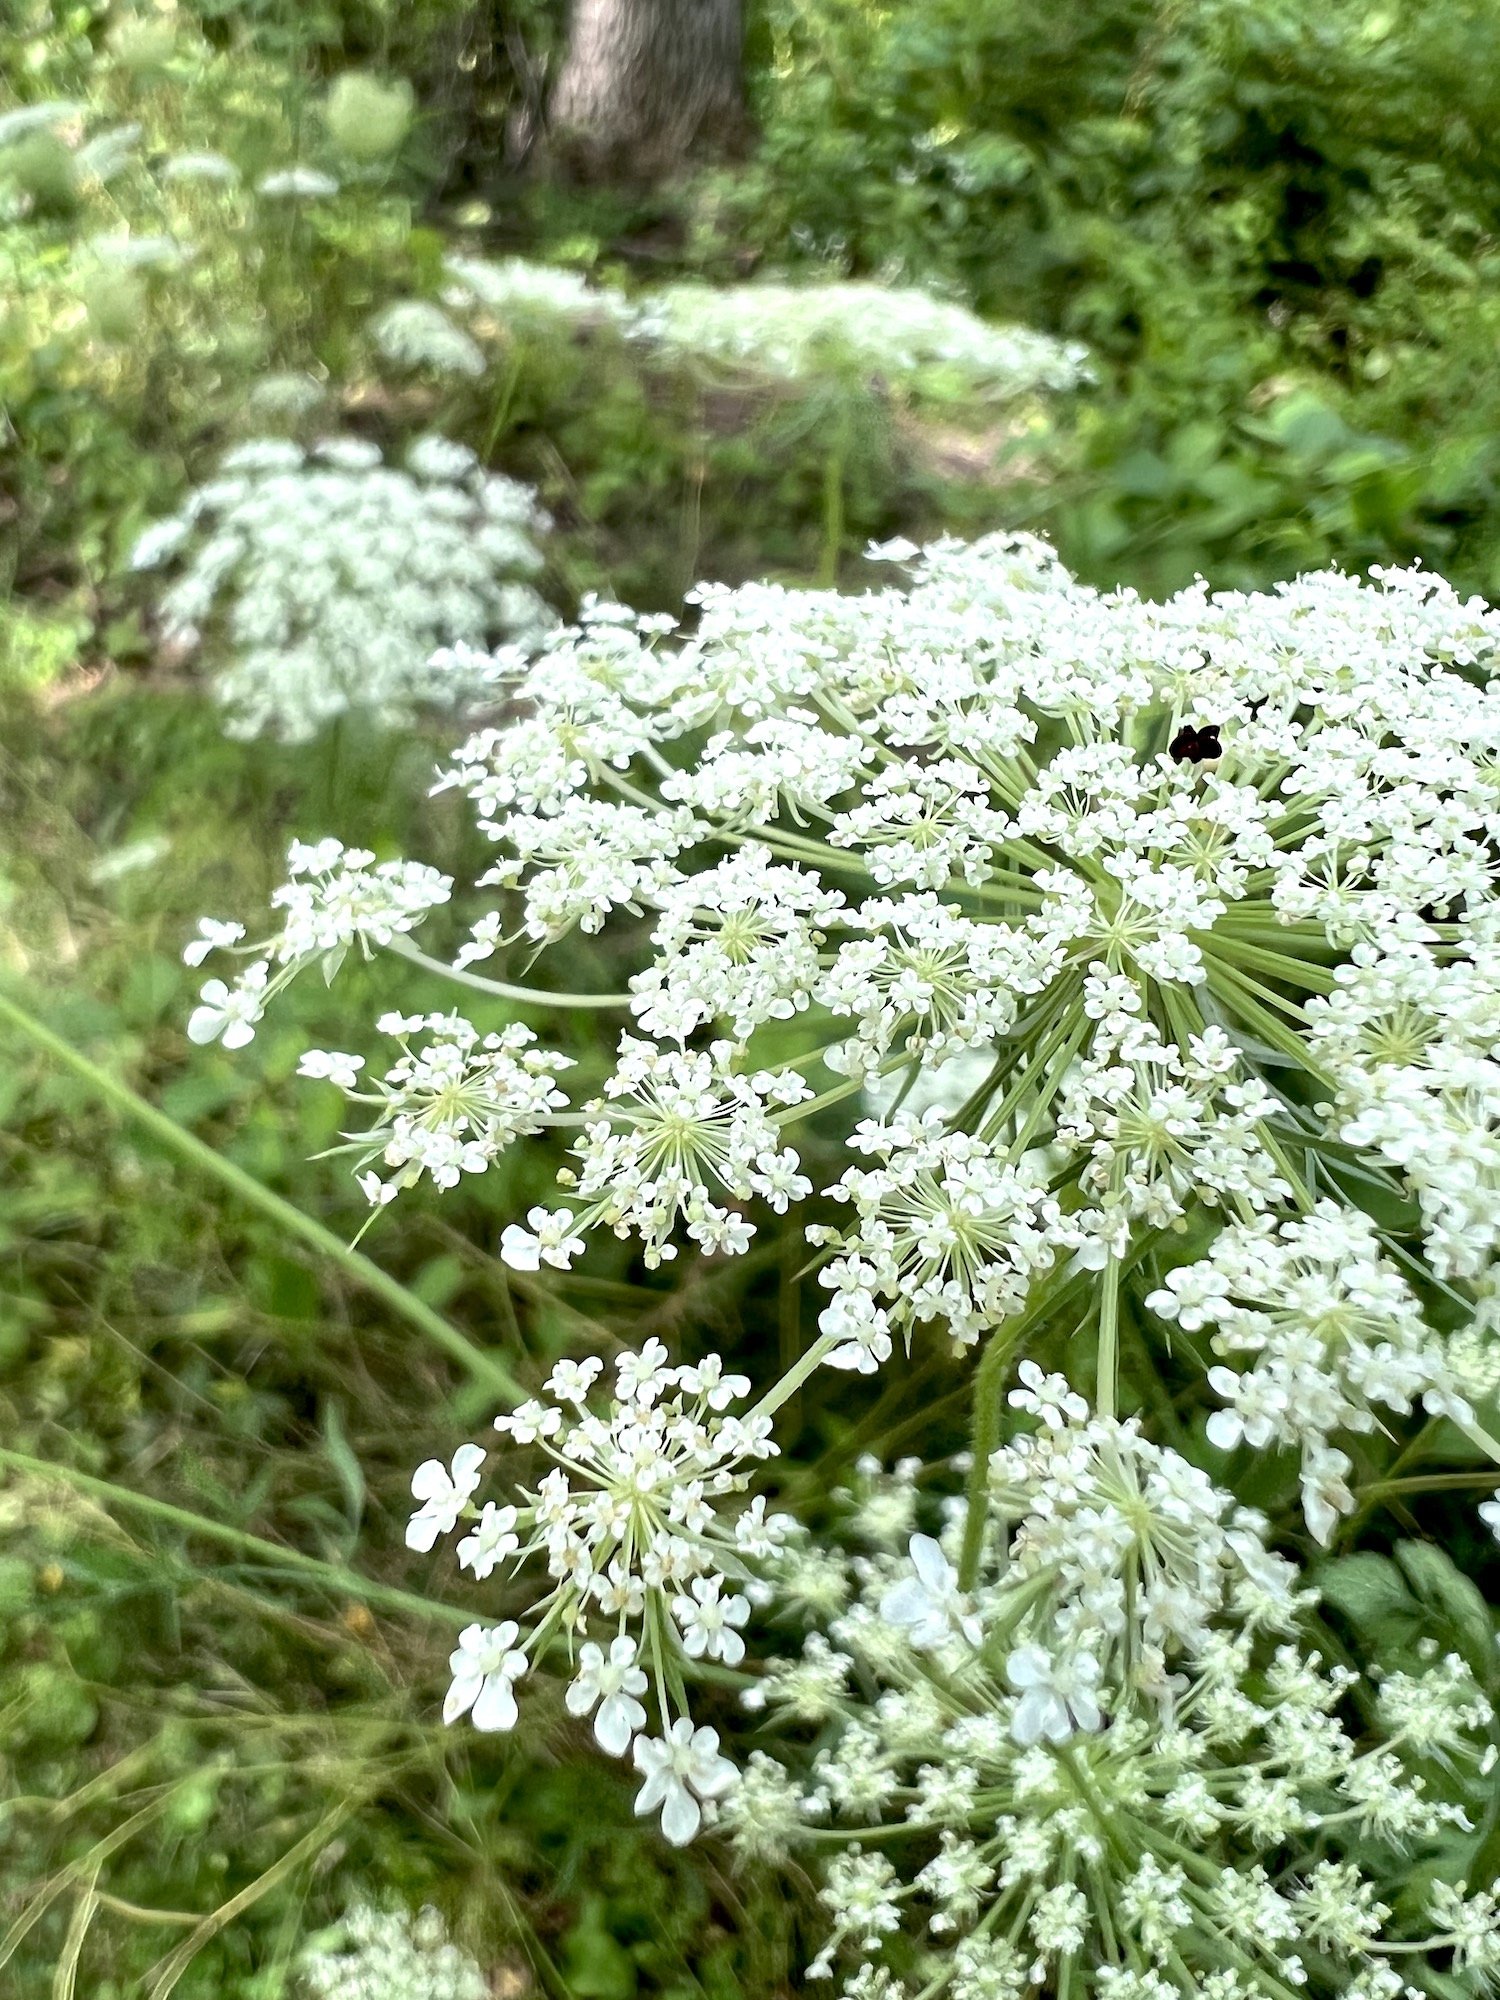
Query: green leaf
x=1368 y=1590
x=1457 y=1599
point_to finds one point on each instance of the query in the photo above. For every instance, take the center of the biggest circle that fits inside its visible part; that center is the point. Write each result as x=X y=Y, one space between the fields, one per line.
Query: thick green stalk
x=483 y=1366
x=333 y=1575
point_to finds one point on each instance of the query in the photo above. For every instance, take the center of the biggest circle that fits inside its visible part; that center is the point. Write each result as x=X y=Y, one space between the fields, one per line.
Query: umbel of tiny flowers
x=1333 y=1333
x=1204 y=891
x=646 y=1545
x=1000 y=1799
x=898 y=334
x=324 y=581
x=375 y=1953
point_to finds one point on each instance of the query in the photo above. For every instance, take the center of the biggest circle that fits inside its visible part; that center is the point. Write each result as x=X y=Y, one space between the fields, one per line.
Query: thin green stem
x=523 y=996
x=483 y=1366
x=1107 y=1394
x=794 y=1377
x=333 y=1575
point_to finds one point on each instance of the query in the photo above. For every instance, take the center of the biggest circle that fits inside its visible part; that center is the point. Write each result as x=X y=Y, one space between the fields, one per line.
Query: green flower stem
x=482 y=1366
x=985 y=1433
x=333 y=1575
x=523 y=996
x=1250 y=1003
x=1106 y=1396
x=1437 y=1482
x=1219 y=968
x=500 y=414
x=1304 y=972
x=833 y=509
x=792 y=1380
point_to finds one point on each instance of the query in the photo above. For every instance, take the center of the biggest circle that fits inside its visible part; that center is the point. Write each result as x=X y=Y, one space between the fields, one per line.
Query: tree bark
x=648 y=85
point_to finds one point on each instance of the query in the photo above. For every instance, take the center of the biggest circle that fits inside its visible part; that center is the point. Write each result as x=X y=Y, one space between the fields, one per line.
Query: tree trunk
x=646 y=85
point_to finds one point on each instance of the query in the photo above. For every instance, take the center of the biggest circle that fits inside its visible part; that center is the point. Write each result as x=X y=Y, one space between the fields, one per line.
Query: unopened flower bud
x=366 y=118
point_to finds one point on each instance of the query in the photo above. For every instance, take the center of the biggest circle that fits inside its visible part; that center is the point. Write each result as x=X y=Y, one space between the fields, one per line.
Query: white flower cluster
x=1411 y=1039
x=801 y=332
x=334 y=897
x=1333 y=1333
x=1156 y=872
x=389 y=1954
x=414 y=333
x=642 y=1531
x=517 y=294
x=447 y=1107
x=319 y=582
x=1084 y=978
x=1002 y=1813
x=791 y=333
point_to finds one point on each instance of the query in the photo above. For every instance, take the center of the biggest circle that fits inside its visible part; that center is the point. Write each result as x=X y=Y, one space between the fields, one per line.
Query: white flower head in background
x=318 y=582
x=414 y=334
x=297 y=184
x=518 y=295
x=375 y=1953
x=807 y=331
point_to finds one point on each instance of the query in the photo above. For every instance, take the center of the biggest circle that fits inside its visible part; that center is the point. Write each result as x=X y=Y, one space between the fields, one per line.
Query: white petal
x=495 y=1708
x=680 y=1816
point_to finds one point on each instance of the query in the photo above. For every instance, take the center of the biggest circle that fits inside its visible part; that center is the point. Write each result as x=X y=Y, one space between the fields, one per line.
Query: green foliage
x=1274 y=223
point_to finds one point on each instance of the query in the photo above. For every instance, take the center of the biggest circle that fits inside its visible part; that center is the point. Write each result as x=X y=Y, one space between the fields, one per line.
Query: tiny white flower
x=615 y=1683
x=492 y=1538
x=229 y=1013
x=680 y=1769
x=1057 y=1695
x=443 y=1493
x=928 y=1605
x=1489 y=1513
x=548 y=1241
x=331 y=1066
x=710 y=1622
x=485 y=1668
x=571 y=1381
x=212 y=936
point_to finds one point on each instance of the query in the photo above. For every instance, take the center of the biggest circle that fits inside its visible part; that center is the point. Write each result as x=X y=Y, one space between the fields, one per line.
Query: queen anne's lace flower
x=325 y=581
x=1136 y=967
x=1200 y=894
x=798 y=331
x=388 y=1954
x=517 y=294
x=414 y=333
x=1015 y=1803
